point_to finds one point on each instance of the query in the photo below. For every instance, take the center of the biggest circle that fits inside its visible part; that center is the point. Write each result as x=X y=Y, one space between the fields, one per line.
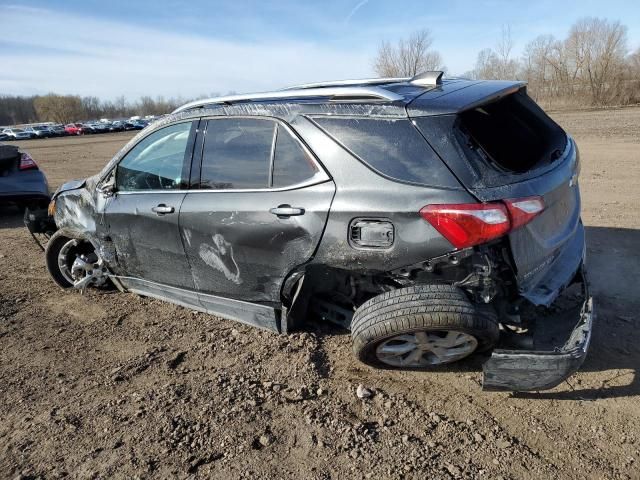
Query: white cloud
x=88 y=56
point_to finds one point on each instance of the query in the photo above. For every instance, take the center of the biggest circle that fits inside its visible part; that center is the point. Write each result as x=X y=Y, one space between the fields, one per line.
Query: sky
x=108 y=48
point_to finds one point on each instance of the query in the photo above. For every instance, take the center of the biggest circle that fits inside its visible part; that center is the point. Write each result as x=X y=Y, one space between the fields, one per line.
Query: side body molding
x=257 y=315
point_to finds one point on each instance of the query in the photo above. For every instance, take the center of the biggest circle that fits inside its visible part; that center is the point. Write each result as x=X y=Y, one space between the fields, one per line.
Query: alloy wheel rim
x=426 y=348
x=64 y=261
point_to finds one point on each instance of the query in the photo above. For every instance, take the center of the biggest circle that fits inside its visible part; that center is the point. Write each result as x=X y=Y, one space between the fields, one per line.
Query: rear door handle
x=163 y=209
x=286 y=211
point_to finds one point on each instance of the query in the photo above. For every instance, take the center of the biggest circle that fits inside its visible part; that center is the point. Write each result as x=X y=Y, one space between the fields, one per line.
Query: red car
x=74 y=129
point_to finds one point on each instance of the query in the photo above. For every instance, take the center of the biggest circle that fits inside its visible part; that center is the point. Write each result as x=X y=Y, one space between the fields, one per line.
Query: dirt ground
x=111 y=385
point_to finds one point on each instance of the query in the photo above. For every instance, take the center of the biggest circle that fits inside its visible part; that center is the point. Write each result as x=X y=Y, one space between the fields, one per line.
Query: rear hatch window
x=495 y=143
x=393 y=148
x=513 y=134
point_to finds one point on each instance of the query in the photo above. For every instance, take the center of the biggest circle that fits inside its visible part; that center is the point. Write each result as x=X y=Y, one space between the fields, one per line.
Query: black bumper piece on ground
x=39 y=221
x=526 y=370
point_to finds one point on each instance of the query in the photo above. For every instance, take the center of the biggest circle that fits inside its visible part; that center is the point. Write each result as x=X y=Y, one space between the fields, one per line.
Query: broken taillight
x=523 y=210
x=27 y=163
x=468 y=224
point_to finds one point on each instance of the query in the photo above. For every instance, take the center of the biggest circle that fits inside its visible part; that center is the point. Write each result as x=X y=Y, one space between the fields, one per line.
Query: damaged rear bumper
x=526 y=370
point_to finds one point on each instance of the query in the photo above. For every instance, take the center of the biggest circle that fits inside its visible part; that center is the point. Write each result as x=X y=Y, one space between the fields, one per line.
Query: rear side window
x=292 y=164
x=237 y=153
x=392 y=147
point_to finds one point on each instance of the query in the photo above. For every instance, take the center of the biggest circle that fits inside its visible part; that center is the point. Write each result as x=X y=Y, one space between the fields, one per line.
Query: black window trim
x=321 y=175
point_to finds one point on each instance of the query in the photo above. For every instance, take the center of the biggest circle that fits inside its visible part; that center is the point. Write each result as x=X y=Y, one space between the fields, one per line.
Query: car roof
x=426 y=93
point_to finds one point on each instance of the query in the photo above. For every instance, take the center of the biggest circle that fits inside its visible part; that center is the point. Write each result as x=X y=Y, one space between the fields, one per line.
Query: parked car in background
x=89 y=128
x=17 y=134
x=58 y=130
x=116 y=126
x=432 y=218
x=137 y=124
x=21 y=181
x=74 y=129
x=39 y=131
x=100 y=127
x=4 y=136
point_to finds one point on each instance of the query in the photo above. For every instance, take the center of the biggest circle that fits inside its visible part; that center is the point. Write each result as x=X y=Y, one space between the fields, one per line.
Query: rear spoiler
x=459 y=95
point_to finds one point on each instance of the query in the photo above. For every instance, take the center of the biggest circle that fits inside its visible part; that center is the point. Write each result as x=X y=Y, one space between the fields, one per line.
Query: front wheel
x=73 y=262
x=420 y=327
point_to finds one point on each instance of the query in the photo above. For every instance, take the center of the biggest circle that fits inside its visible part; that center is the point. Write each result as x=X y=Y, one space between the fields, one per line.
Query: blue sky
x=112 y=47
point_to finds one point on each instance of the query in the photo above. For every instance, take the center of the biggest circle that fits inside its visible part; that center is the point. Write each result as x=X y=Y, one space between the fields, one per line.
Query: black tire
x=428 y=308
x=54 y=245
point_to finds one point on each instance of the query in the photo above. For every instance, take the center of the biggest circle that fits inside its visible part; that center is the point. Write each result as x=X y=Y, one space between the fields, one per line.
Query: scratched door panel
x=148 y=244
x=237 y=248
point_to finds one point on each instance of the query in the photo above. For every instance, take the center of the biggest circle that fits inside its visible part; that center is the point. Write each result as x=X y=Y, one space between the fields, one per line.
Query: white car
x=16 y=133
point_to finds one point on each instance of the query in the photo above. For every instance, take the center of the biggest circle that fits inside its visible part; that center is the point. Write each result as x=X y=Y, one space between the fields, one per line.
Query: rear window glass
x=237 y=153
x=393 y=148
x=292 y=164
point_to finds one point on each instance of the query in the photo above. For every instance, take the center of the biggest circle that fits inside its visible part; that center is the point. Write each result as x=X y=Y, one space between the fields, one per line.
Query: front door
x=142 y=216
x=259 y=211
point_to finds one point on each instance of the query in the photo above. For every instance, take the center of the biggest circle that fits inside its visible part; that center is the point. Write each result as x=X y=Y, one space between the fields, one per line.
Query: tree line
x=592 y=66
x=15 y=110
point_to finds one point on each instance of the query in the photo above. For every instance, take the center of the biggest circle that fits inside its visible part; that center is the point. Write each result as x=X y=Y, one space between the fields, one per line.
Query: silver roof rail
x=356 y=81
x=346 y=92
x=424 y=79
x=427 y=79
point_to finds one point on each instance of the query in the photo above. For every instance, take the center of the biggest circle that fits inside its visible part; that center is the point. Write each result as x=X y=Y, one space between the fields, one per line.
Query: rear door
x=257 y=211
x=142 y=216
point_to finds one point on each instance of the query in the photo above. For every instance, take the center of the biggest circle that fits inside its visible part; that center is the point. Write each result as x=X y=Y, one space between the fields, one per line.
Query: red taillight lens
x=27 y=163
x=465 y=225
x=523 y=210
x=468 y=224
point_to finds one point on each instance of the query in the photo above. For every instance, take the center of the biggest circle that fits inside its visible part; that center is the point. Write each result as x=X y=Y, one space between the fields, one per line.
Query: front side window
x=156 y=163
x=237 y=153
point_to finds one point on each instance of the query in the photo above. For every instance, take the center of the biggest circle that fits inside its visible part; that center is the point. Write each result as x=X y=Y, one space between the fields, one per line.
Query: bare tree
x=497 y=64
x=408 y=57
x=603 y=47
x=58 y=108
x=588 y=67
x=536 y=68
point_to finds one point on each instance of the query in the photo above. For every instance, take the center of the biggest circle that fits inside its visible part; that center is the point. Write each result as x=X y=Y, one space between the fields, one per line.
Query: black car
x=89 y=128
x=116 y=126
x=135 y=124
x=21 y=181
x=431 y=218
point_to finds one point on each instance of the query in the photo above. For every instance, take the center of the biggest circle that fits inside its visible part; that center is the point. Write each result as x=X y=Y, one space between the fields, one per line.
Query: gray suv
x=432 y=218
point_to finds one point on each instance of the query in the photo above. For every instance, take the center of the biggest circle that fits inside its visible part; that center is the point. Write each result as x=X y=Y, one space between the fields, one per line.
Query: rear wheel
x=420 y=327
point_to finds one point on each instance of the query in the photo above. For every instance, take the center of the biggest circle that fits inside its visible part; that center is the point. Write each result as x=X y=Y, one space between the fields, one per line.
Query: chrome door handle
x=163 y=209
x=285 y=211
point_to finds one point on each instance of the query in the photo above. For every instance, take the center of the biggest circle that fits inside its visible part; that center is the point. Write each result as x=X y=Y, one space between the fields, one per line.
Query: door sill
x=254 y=314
